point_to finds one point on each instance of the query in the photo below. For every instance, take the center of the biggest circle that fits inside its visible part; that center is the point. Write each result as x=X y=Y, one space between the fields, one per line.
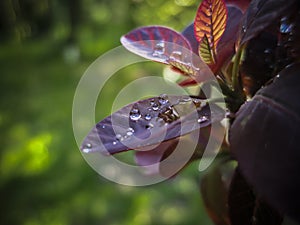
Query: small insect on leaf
x=205 y=52
x=210 y=20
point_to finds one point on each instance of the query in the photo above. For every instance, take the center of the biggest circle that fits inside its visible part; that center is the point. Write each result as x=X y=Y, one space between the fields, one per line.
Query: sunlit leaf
x=205 y=51
x=211 y=20
x=149 y=122
x=264 y=139
x=261 y=14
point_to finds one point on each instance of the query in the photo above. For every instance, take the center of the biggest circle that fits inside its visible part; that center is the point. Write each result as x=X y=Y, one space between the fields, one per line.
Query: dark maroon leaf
x=150 y=122
x=264 y=139
x=245 y=208
x=226 y=46
x=259 y=62
x=261 y=14
x=214 y=191
x=188 y=33
x=241 y=200
x=241 y=4
x=156 y=43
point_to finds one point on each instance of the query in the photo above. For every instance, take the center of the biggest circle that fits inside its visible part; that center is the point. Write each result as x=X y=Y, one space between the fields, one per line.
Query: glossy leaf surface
x=261 y=14
x=211 y=20
x=149 y=122
x=265 y=140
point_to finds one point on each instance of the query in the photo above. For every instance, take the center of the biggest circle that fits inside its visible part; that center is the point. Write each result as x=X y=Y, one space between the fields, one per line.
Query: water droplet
x=149 y=126
x=268 y=51
x=87 y=148
x=159 y=49
x=155 y=106
x=163 y=99
x=176 y=56
x=130 y=131
x=88 y=145
x=135 y=114
x=103 y=126
x=119 y=137
x=202 y=119
x=285 y=26
x=244 y=29
x=185 y=99
x=114 y=143
x=148 y=117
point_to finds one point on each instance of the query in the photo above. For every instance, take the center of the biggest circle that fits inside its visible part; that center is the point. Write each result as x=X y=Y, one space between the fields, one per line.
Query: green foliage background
x=45 y=47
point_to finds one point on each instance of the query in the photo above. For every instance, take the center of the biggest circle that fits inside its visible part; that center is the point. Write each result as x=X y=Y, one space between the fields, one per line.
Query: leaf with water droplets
x=261 y=14
x=150 y=122
x=156 y=43
x=205 y=51
x=264 y=139
x=164 y=45
x=211 y=21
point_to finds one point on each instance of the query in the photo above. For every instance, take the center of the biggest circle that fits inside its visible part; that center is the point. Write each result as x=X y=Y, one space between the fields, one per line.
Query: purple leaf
x=188 y=33
x=264 y=139
x=156 y=43
x=164 y=45
x=149 y=122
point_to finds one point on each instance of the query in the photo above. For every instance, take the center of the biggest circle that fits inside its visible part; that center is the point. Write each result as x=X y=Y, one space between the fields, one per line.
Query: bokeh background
x=45 y=47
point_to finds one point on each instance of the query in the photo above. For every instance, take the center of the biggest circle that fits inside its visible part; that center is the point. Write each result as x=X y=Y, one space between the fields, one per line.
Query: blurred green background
x=45 y=47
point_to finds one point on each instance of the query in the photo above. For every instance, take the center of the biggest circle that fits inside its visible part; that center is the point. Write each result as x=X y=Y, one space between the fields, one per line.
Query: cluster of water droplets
x=161 y=111
x=121 y=137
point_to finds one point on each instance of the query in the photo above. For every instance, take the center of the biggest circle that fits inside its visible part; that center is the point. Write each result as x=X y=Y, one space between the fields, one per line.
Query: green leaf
x=205 y=51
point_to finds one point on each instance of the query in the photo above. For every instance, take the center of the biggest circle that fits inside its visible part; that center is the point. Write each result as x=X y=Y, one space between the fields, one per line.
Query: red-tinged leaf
x=246 y=208
x=264 y=138
x=205 y=51
x=211 y=21
x=261 y=14
x=226 y=46
x=187 y=82
x=188 y=33
x=156 y=43
x=150 y=122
